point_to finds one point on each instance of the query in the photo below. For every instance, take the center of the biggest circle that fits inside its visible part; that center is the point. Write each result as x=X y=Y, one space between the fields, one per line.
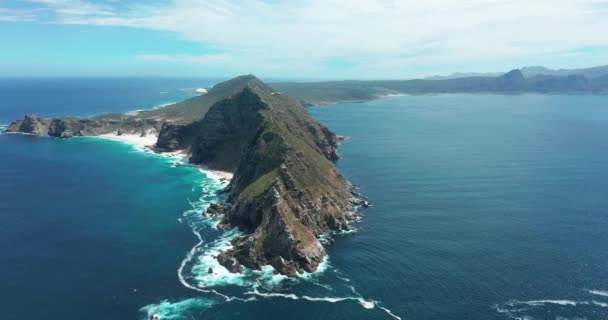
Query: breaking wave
x=185 y=309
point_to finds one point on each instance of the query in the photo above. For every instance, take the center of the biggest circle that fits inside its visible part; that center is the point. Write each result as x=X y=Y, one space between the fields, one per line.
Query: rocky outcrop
x=30 y=124
x=177 y=136
x=215 y=211
x=71 y=127
x=286 y=192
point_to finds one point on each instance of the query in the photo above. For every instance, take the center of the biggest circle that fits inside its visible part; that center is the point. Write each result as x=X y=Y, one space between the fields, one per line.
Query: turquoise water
x=484 y=207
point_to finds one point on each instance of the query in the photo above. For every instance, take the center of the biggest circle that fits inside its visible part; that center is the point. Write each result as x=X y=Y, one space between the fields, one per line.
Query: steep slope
x=195 y=108
x=286 y=192
x=183 y=120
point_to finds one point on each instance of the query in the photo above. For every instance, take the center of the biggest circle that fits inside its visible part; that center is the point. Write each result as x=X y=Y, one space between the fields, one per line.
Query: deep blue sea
x=483 y=207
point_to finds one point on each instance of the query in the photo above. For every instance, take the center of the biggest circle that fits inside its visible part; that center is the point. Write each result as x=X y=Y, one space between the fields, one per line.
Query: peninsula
x=286 y=191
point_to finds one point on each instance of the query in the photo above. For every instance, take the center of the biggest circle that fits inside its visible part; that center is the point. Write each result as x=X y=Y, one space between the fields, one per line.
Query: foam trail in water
x=515 y=309
x=367 y=304
x=598 y=292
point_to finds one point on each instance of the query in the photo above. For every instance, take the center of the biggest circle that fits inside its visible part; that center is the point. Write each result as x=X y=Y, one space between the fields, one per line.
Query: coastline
x=310 y=104
x=146 y=143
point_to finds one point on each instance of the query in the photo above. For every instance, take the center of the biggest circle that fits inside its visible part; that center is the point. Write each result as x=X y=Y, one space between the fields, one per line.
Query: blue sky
x=325 y=39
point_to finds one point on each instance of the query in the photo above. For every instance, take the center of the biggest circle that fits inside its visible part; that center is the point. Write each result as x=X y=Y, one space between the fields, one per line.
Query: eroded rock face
x=174 y=137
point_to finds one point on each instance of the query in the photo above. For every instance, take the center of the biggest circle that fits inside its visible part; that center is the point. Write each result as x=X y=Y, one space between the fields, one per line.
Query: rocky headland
x=286 y=191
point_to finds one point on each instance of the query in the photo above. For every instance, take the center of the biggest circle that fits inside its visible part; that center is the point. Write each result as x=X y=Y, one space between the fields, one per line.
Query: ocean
x=483 y=207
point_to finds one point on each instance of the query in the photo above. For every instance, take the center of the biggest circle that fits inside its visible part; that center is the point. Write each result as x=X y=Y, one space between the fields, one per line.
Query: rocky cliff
x=286 y=192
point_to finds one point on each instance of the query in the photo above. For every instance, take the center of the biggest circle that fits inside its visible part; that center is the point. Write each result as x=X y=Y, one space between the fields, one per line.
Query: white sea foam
x=366 y=304
x=193 y=272
x=217 y=175
x=133 y=113
x=543 y=302
x=572 y=303
x=598 y=292
x=142 y=141
x=600 y=304
x=515 y=309
x=200 y=90
x=220 y=276
x=162 y=105
x=166 y=310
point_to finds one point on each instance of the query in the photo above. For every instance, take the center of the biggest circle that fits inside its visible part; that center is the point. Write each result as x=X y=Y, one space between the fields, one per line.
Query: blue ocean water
x=484 y=207
x=86 y=97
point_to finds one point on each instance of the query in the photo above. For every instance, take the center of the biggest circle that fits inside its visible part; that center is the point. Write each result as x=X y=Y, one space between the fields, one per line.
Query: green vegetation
x=260 y=185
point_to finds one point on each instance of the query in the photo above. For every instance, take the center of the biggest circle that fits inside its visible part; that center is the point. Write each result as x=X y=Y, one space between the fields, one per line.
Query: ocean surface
x=483 y=207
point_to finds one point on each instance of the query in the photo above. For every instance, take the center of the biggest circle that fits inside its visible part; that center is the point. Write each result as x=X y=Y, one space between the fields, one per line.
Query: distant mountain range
x=580 y=81
x=528 y=72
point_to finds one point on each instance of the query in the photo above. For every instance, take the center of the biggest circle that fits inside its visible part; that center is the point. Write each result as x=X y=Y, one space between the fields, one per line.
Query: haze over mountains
x=531 y=71
x=579 y=81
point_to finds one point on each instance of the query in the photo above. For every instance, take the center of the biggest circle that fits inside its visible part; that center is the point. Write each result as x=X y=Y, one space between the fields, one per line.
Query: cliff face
x=285 y=192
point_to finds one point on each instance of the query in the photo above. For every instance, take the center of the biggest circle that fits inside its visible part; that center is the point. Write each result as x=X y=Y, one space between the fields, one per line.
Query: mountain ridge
x=531 y=71
x=328 y=92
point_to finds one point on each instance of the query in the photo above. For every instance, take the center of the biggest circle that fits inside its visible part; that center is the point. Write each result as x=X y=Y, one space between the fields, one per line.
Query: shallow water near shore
x=483 y=207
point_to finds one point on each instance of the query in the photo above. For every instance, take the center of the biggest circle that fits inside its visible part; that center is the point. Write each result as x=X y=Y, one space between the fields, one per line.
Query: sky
x=308 y=39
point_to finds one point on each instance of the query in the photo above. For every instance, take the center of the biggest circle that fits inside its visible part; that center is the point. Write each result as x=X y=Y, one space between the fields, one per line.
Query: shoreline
x=147 y=142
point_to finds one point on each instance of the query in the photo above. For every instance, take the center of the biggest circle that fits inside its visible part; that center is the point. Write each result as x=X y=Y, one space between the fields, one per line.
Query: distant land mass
x=532 y=71
x=458 y=75
x=593 y=81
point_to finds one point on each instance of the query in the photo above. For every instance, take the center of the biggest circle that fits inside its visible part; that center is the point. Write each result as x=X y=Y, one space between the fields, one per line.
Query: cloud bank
x=372 y=37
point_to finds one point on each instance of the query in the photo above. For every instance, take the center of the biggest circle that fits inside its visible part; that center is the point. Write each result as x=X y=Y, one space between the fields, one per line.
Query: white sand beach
x=146 y=141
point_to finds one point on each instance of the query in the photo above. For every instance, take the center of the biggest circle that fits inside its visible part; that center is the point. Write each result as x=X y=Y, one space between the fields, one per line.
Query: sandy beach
x=147 y=142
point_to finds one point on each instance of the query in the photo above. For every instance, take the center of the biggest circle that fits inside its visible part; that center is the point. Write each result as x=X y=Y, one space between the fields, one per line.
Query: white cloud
x=390 y=35
x=185 y=58
x=17 y=15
